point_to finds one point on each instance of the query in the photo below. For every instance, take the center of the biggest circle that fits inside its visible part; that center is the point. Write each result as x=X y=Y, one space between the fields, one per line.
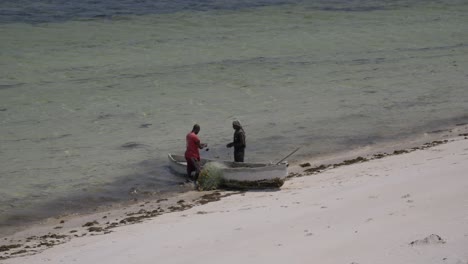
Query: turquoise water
x=74 y=91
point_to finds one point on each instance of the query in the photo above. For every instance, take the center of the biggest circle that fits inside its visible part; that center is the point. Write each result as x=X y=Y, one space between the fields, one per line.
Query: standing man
x=192 y=155
x=239 y=142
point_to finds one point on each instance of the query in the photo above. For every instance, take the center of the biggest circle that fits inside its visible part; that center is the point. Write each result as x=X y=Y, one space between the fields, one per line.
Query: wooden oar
x=294 y=151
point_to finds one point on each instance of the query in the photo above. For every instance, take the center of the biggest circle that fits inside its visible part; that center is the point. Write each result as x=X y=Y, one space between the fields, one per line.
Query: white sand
x=363 y=213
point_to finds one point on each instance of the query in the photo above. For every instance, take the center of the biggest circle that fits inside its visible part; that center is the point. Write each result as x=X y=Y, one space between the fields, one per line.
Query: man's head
x=196 y=128
x=236 y=125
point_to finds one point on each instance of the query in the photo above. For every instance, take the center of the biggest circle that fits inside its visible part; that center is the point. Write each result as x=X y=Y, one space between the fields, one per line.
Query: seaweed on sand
x=261 y=184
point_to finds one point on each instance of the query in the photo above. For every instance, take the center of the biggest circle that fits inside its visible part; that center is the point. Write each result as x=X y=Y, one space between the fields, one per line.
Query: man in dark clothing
x=239 y=142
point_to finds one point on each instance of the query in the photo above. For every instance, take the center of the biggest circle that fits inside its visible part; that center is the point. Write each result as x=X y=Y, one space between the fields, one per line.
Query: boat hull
x=240 y=174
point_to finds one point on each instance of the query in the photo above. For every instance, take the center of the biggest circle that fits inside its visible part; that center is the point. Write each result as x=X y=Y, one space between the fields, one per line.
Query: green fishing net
x=211 y=176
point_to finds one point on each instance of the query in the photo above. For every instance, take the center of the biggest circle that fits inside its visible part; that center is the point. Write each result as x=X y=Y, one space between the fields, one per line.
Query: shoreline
x=61 y=230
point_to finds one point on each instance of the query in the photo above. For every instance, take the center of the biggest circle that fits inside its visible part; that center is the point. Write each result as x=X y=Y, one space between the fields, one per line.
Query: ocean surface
x=94 y=94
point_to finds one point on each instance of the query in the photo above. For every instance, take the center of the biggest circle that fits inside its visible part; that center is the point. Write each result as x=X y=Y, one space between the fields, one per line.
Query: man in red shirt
x=192 y=154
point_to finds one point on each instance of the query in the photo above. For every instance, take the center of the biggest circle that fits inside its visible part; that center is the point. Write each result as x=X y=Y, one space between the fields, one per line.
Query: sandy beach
x=409 y=206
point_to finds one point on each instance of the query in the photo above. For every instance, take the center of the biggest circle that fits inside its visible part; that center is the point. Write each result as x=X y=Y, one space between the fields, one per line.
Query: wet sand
x=381 y=204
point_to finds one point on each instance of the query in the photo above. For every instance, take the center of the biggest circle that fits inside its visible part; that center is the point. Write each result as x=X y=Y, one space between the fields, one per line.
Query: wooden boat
x=240 y=174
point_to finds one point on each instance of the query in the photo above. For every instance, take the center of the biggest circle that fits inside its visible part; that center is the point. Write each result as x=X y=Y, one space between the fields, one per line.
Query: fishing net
x=211 y=176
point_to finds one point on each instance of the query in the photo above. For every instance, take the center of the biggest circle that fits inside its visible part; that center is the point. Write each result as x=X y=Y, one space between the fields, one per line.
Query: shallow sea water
x=75 y=93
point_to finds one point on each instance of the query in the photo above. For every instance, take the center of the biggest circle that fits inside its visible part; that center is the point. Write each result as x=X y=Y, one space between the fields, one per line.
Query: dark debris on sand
x=255 y=185
x=36 y=244
x=8 y=247
x=213 y=197
x=429 y=240
x=360 y=159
